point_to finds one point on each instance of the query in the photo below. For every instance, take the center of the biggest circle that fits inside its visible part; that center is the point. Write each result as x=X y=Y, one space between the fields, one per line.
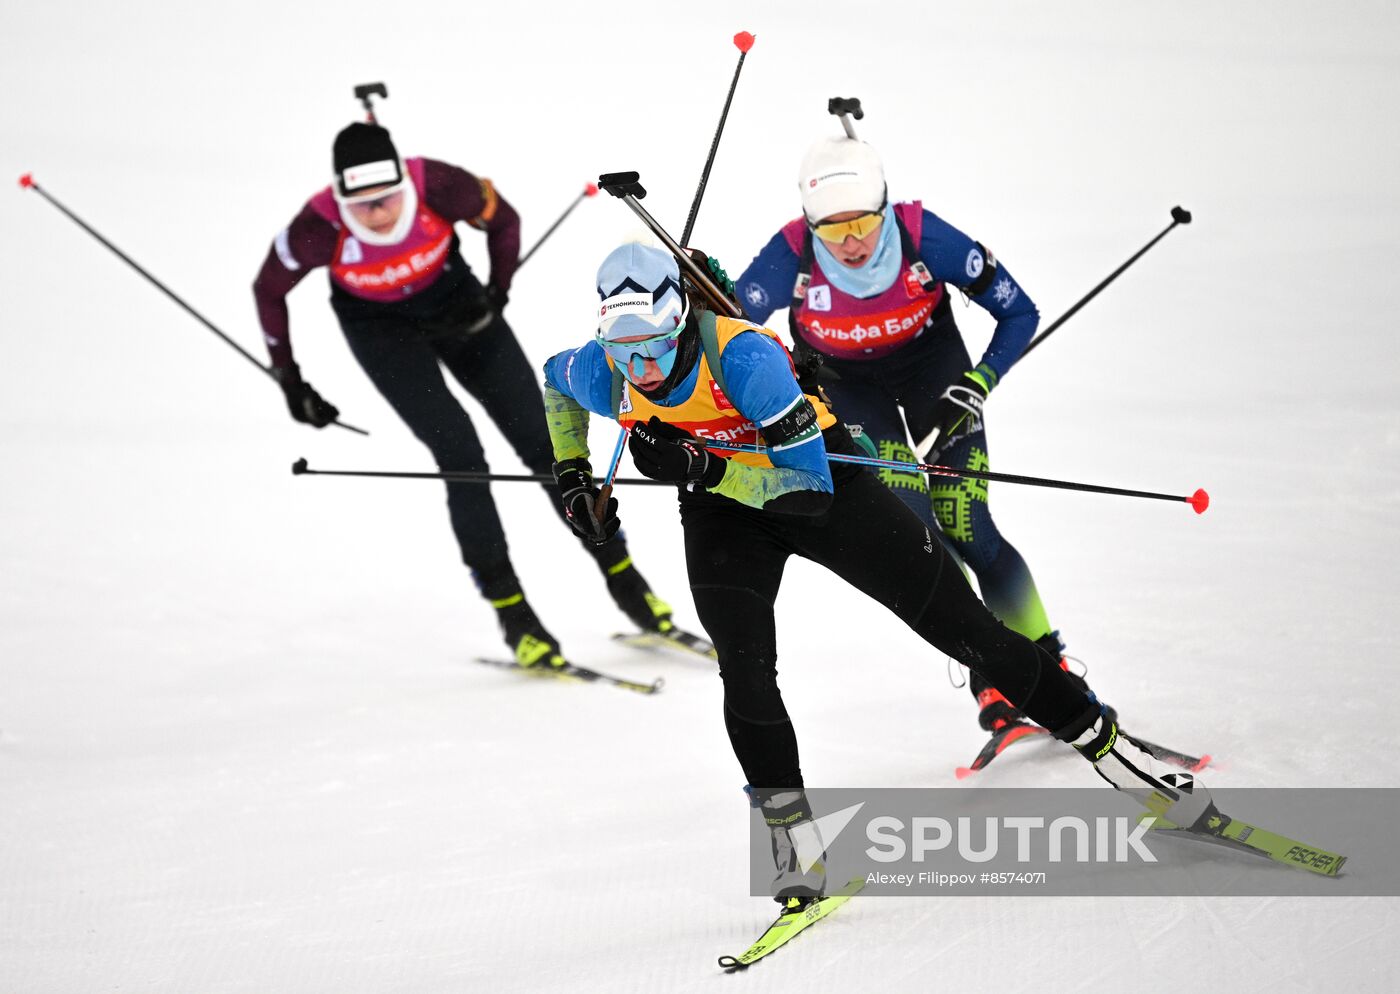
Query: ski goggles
x=632 y=356
x=362 y=204
x=856 y=227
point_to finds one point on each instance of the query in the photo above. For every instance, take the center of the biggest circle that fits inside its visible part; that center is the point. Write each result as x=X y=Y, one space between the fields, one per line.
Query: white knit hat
x=838 y=175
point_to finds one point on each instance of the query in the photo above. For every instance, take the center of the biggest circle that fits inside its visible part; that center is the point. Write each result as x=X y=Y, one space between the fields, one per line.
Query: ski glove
x=305 y=404
x=665 y=452
x=958 y=412
x=575 y=479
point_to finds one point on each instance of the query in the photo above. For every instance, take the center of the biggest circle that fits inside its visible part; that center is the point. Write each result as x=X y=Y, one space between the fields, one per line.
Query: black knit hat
x=364 y=156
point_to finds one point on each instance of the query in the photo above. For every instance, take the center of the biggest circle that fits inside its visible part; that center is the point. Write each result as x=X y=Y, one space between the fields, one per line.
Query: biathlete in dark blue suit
x=867 y=283
x=676 y=374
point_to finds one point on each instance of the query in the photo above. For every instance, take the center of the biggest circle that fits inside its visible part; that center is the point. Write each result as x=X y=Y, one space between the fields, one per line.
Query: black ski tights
x=735 y=557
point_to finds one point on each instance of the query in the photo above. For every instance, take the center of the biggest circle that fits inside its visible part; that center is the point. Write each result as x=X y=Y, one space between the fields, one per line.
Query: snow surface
x=243 y=746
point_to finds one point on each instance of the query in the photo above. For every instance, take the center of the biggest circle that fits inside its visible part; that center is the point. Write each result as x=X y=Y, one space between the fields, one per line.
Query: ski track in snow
x=243 y=746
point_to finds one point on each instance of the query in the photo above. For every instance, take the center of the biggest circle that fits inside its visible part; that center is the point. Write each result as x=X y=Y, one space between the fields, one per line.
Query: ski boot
x=996 y=711
x=525 y=633
x=1175 y=797
x=799 y=855
x=635 y=599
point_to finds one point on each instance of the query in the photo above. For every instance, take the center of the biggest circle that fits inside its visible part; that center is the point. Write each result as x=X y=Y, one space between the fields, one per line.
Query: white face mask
x=401 y=227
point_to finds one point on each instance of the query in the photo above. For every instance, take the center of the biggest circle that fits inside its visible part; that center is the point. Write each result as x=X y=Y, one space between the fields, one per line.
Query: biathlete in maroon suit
x=867 y=286
x=409 y=305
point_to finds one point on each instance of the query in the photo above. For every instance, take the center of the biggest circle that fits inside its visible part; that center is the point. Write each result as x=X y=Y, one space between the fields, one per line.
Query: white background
x=243 y=746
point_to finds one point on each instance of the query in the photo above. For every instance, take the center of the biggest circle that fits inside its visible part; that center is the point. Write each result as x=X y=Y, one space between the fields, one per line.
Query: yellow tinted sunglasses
x=856 y=227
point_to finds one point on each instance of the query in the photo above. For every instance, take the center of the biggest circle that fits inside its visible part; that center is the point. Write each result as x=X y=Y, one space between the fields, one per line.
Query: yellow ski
x=796 y=917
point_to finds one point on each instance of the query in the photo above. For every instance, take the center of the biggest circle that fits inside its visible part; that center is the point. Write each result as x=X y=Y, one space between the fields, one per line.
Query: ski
x=1232 y=833
x=673 y=638
x=792 y=922
x=1183 y=759
x=1015 y=732
x=1000 y=741
x=571 y=671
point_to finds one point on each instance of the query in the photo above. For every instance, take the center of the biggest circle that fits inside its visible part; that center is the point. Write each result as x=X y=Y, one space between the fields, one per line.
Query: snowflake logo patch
x=1005 y=292
x=756 y=295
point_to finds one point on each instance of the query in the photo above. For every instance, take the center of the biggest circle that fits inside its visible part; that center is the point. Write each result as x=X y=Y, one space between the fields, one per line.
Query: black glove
x=306 y=405
x=497 y=298
x=665 y=452
x=575 y=479
x=958 y=412
x=811 y=369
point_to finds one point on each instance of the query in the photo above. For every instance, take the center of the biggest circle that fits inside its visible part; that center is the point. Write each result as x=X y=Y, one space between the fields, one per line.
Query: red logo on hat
x=811 y=183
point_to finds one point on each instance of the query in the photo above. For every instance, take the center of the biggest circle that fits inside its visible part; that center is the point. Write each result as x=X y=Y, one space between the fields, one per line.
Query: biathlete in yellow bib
x=679 y=374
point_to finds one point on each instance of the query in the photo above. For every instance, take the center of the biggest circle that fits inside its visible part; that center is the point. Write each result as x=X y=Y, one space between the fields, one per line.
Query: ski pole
x=301 y=468
x=600 y=503
x=29 y=183
x=628 y=188
x=366 y=90
x=1199 y=501
x=1179 y=216
x=849 y=107
x=846 y=108
x=588 y=191
x=742 y=41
